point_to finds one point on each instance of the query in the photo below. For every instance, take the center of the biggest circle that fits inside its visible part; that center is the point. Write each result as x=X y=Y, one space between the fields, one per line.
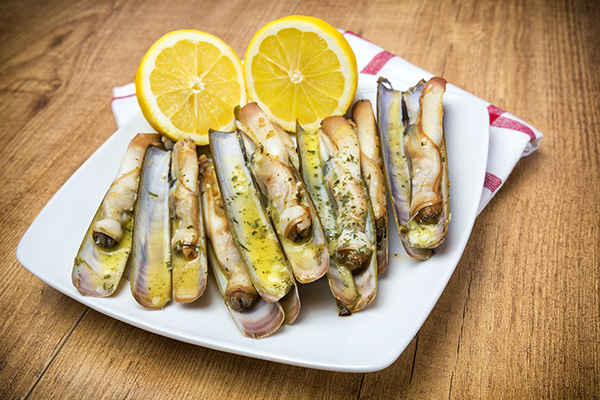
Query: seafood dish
x=406 y=292
x=270 y=211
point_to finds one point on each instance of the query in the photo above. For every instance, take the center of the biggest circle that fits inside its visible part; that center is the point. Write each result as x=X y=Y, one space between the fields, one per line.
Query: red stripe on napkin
x=491 y=182
x=123 y=97
x=495 y=112
x=507 y=123
x=498 y=121
x=375 y=65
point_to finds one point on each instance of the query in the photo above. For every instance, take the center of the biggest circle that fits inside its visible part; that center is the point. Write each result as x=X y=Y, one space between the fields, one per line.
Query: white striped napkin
x=510 y=137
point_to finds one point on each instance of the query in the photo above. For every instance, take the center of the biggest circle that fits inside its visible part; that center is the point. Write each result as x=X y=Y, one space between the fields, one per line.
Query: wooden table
x=520 y=317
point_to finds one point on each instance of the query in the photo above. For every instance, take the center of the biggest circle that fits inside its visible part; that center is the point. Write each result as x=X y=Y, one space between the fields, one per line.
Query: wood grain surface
x=520 y=317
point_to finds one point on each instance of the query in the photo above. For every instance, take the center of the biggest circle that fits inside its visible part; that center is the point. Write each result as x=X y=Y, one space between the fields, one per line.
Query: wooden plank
x=36 y=157
x=105 y=358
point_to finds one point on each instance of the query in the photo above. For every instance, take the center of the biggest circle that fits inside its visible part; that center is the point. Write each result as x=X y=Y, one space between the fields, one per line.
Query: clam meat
x=103 y=254
x=188 y=247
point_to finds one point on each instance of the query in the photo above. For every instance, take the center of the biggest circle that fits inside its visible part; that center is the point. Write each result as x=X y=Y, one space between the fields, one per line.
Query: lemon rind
x=335 y=41
x=148 y=104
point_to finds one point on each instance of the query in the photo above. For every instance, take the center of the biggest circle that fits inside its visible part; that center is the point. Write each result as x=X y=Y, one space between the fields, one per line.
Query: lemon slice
x=300 y=68
x=189 y=82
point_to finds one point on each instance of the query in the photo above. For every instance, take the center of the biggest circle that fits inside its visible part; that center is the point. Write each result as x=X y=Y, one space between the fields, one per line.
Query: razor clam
x=411 y=130
x=103 y=254
x=371 y=168
x=256 y=321
x=255 y=237
x=150 y=260
x=234 y=283
x=238 y=291
x=353 y=247
x=271 y=168
x=426 y=150
x=290 y=207
x=340 y=278
x=353 y=291
x=188 y=247
x=395 y=111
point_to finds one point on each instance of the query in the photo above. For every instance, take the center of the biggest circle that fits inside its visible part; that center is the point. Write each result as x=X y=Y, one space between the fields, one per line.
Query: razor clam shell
x=372 y=171
x=261 y=319
x=291 y=305
x=390 y=117
x=239 y=289
x=189 y=273
x=248 y=220
x=309 y=259
x=429 y=128
x=339 y=277
x=150 y=260
x=352 y=292
x=97 y=270
x=394 y=116
x=365 y=281
x=341 y=151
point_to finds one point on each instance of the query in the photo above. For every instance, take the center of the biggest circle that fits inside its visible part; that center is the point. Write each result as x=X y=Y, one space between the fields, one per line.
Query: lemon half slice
x=300 y=68
x=189 y=82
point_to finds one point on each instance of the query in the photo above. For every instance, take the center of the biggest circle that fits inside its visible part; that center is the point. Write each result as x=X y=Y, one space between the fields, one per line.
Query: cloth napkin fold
x=510 y=137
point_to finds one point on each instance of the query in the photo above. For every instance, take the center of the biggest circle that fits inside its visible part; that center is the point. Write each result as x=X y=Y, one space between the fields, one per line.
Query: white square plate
x=367 y=341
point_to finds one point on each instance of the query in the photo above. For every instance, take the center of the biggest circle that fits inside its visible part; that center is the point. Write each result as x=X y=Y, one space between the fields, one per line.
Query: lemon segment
x=301 y=69
x=189 y=82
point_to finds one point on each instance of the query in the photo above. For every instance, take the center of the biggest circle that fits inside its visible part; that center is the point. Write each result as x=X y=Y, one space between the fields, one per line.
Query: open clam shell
x=415 y=162
x=353 y=290
x=188 y=246
x=150 y=260
x=273 y=165
x=103 y=254
x=249 y=223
